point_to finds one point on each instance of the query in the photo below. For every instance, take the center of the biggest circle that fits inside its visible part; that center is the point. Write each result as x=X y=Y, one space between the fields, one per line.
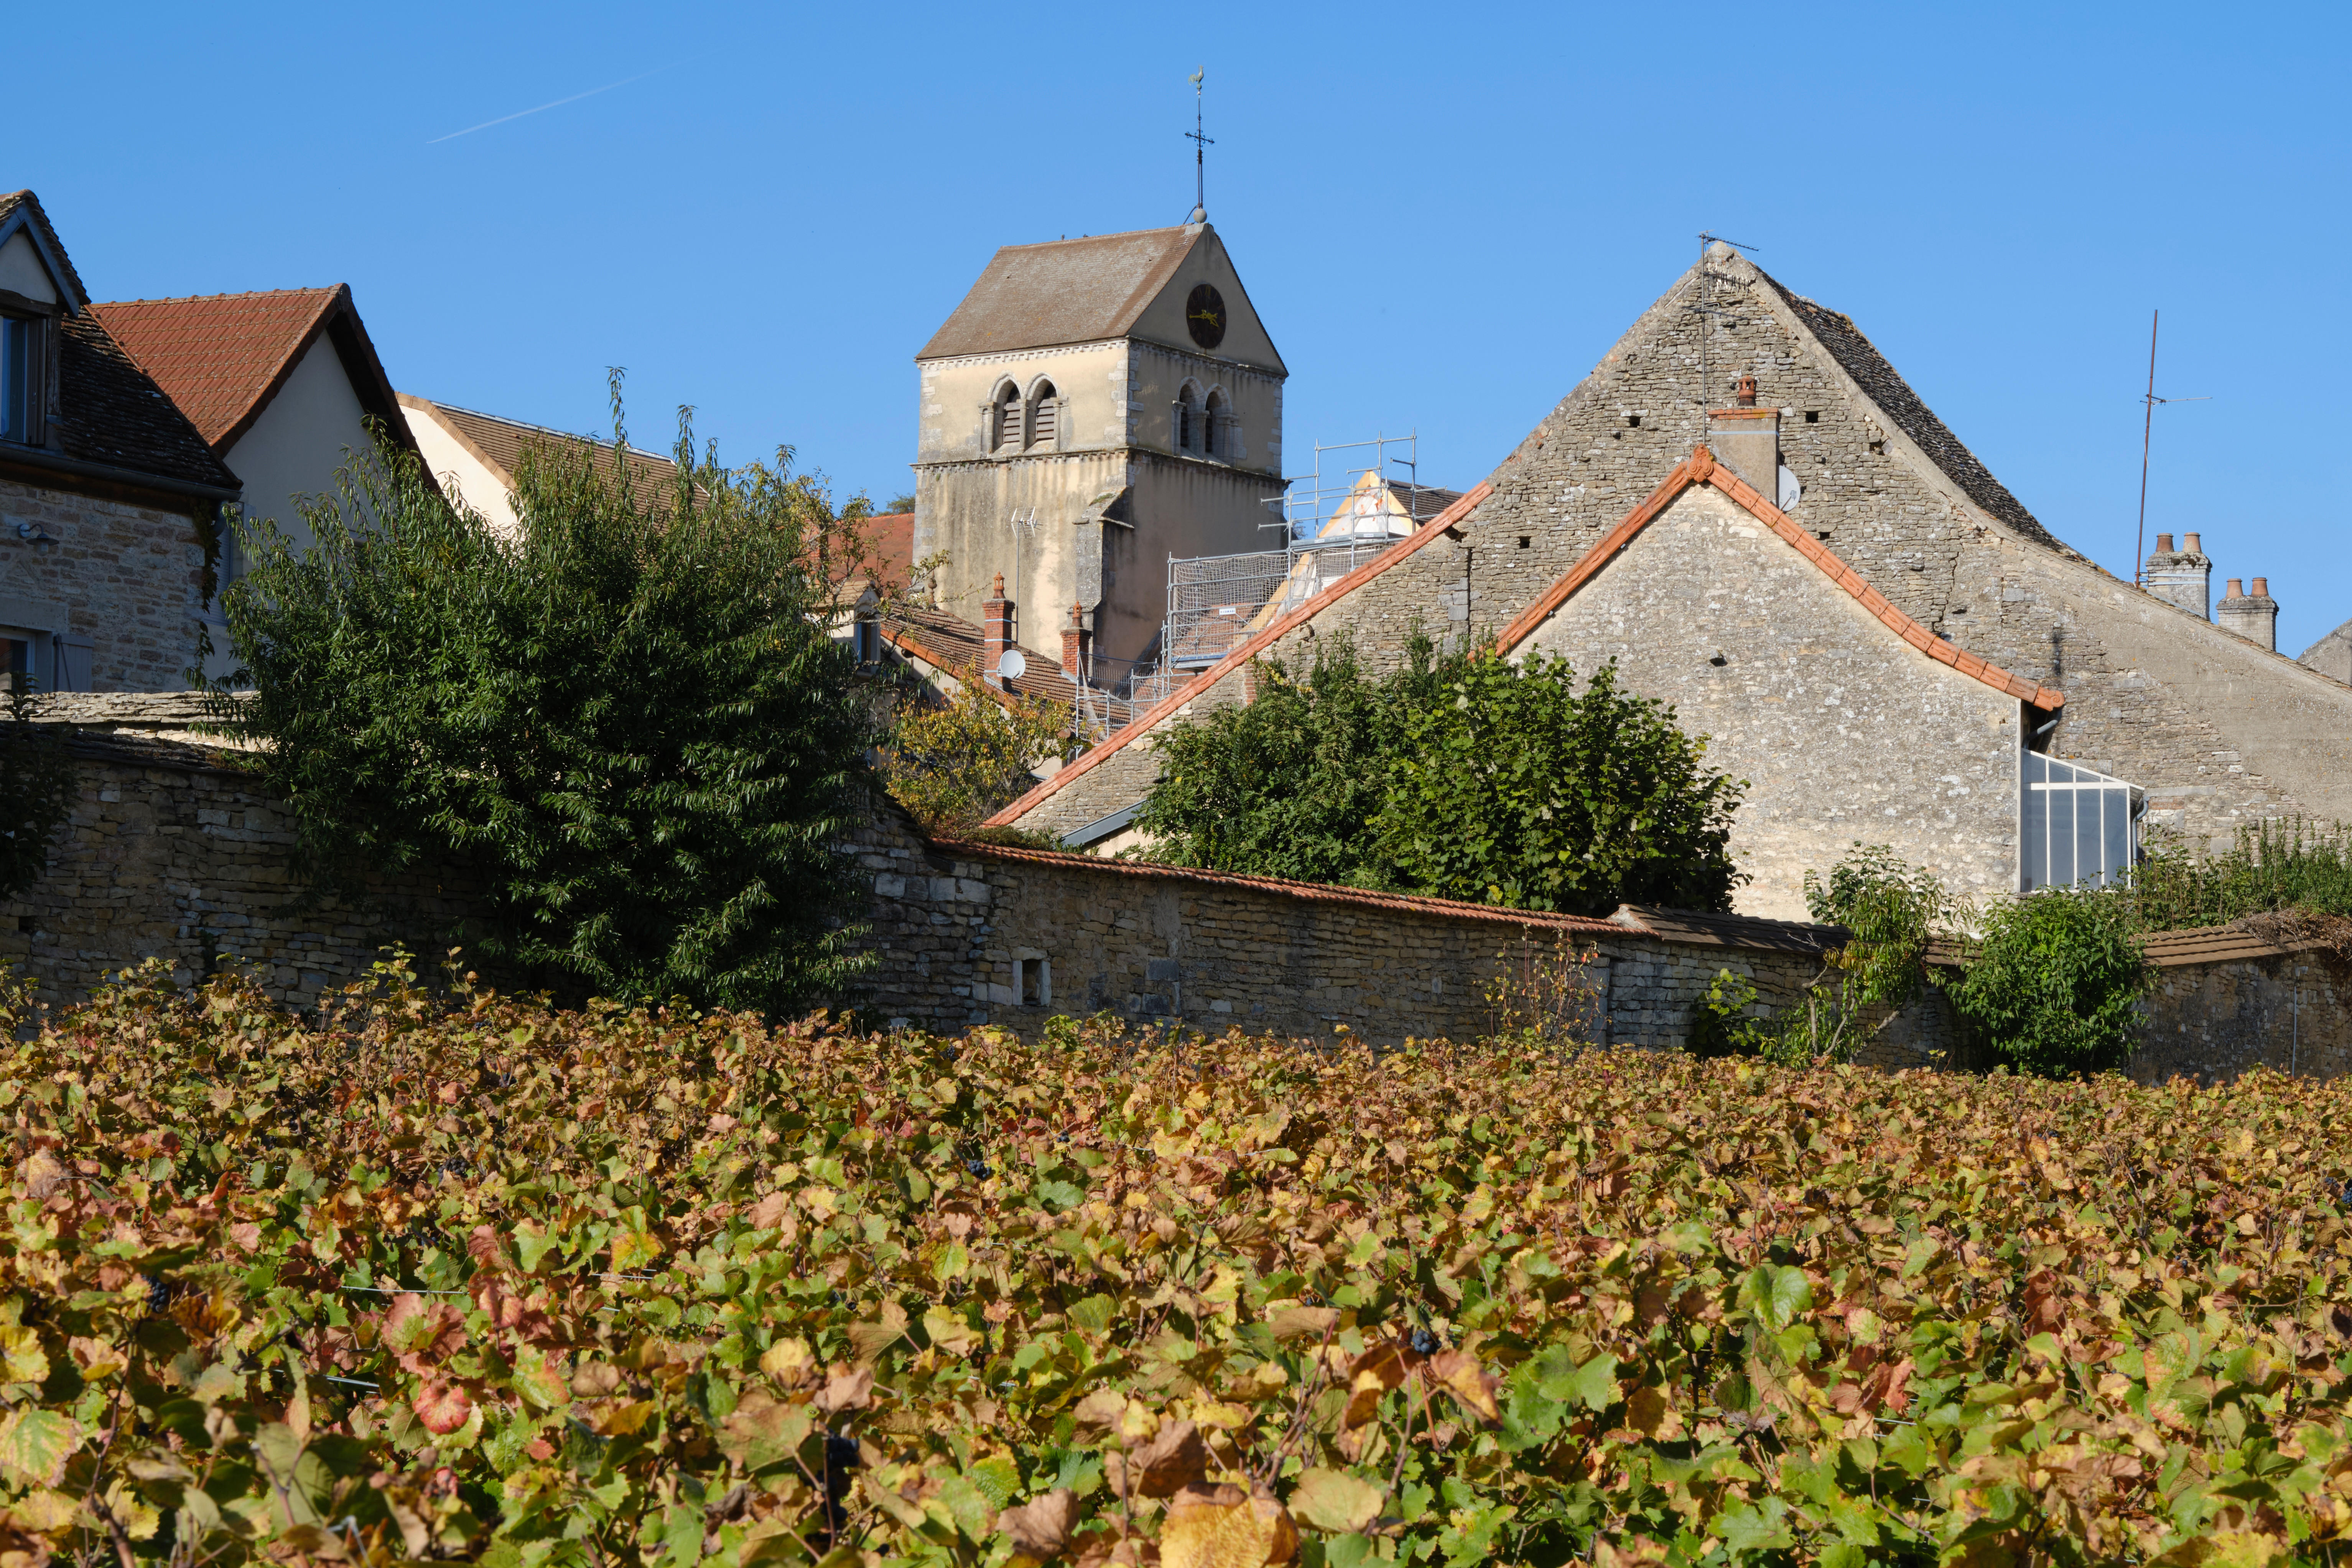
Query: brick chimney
x=2183 y=578
x=1073 y=644
x=2253 y=616
x=996 y=634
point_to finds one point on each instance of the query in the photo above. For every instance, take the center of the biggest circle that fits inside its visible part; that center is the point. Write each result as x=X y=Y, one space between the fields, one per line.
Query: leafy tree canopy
x=628 y=722
x=1464 y=776
x=2053 y=983
x=953 y=763
x=36 y=789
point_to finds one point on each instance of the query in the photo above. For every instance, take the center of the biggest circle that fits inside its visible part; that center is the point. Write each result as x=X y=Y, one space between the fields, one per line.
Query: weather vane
x=1201 y=144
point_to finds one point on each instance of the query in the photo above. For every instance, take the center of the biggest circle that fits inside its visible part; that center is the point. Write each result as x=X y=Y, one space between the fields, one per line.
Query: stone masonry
x=973 y=934
x=127 y=576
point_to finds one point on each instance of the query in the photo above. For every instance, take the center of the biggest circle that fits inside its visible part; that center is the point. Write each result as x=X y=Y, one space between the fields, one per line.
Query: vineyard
x=455 y=1276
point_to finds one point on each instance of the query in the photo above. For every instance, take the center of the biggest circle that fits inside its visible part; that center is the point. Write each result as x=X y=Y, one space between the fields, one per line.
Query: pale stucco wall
x=21 y=271
x=454 y=464
x=1842 y=732
x=292 y=449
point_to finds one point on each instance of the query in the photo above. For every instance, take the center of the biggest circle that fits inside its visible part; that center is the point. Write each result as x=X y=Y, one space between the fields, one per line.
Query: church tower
x=1093 y=407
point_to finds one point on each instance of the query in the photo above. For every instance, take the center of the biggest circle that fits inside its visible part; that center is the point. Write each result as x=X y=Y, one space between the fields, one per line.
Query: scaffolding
x=1331 y=522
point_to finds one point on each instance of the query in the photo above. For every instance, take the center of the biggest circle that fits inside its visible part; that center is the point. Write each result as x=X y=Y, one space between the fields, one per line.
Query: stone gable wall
x=126 y=576
x=1807 y=696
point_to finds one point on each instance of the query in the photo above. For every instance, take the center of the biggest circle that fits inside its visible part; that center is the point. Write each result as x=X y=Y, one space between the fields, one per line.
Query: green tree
x=2053 y=985
x=954 y=763
x=629 y=723
x=1892 y=908
x=37 y=789
x=1511 y=786
x=1466 y=776
x=1288 y=784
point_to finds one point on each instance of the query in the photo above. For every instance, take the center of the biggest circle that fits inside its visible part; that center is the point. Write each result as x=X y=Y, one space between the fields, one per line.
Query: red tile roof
x=218 y=356
x=1281 y=626
x=1701 y=469
x=891 y=536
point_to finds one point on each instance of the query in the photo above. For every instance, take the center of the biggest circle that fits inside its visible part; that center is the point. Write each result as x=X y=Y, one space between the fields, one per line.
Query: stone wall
x=125 y=576
x=969 y=934
x=169 y=854
x=1804 y=694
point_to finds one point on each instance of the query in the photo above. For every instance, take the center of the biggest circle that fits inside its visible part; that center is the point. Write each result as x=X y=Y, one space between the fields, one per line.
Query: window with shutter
x=1187 y=416
x=1211 y=433
x=1008 y=418
x=1043 y=432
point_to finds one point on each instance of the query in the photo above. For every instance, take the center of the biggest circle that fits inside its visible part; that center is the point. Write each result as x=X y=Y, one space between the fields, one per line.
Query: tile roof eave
x=1701 y=467
x=1168 y=706
x=1314 y=892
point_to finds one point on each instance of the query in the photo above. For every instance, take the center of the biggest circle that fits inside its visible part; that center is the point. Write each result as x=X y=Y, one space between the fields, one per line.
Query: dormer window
x=22 y=394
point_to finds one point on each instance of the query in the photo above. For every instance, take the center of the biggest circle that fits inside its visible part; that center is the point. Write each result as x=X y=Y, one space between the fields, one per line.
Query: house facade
x=109 y=498
x=2119 y=694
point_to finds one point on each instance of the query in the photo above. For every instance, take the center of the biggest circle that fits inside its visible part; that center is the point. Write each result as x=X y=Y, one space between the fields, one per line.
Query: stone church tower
x=1093 y=407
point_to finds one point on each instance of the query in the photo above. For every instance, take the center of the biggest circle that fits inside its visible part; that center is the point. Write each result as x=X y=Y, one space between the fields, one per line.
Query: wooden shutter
x=1045 y=422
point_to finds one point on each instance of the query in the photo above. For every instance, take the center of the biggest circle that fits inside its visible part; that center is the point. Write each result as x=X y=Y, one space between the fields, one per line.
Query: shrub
x=513 y=1285
x=629 y=725
x=2053 y=985
x=37 y=789
x=2270 y=866
x=1465 y=777
x=954 y=763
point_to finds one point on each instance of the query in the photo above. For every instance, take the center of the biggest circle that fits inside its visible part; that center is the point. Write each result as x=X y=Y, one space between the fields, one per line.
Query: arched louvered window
x=1213 y=421
x=1188 y=420
x=1008 y=417
x=1043 y=432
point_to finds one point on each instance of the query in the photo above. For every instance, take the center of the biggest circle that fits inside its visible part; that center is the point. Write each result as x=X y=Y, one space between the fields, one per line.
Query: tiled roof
x=110 y=411
x=1281 y=626
x=220 y=356
x=951 y=642
x=1422 y=502
x=1700 y=467
x=1312 y=893
x=1064 y=292
x=500 y=444
x=1705 y=928
x=890 y=535
x=1884 y=386
x=2173 y=949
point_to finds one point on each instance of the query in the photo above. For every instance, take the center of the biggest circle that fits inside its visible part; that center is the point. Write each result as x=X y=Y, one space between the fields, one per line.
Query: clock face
x=1204 y=315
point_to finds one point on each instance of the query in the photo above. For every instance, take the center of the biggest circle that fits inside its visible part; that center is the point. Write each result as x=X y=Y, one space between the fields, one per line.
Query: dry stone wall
x=968 y=934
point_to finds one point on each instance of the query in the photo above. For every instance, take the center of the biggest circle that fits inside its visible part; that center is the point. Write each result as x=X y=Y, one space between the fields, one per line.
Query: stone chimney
x=1073 y=645
x=1746 y=440
x=996 y=633
x=2183 y=578
x=2253 y=616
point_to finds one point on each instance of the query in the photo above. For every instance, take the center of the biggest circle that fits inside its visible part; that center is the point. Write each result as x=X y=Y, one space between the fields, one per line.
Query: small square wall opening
x=1633 y=421
x=1812 y=416
x=1034 y=982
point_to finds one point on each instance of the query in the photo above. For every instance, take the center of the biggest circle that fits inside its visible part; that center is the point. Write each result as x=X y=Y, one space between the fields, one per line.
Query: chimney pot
x=2253 y=616
x=2192 y=544
x=2262 y=588
x=1745 y=392
x=2234 y=589
x=2164 y=544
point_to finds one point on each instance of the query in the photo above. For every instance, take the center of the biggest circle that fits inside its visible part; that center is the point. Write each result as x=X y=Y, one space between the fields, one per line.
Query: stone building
x=282 y=384
x=2110 y=687
x=1092 y=408
x=110 y=499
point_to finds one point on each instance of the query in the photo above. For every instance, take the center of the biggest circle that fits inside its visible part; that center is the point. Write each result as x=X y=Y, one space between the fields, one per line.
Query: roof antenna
x=1201 y=144
x=1704 y=310
x=2146 y=429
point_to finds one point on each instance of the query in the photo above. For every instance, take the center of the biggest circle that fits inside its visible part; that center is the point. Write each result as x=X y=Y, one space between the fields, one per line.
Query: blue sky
x=1445 y=214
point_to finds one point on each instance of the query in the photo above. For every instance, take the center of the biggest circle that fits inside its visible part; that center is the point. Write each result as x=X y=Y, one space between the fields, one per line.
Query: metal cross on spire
x=1201 y=144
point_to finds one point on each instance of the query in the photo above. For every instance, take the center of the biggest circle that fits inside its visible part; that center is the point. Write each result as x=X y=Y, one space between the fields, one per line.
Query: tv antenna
x=1705 y=310
x=1201 y=144
x=2147 y=430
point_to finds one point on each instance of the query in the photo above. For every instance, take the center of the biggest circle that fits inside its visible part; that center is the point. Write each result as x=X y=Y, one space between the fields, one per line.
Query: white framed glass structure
x=2076 y=826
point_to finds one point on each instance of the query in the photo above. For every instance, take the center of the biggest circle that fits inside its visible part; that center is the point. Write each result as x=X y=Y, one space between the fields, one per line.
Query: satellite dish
x=1791 y=492
x=1013 y=666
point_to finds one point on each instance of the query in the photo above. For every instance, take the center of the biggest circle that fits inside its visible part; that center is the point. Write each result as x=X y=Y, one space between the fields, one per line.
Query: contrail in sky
x=559 y=103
